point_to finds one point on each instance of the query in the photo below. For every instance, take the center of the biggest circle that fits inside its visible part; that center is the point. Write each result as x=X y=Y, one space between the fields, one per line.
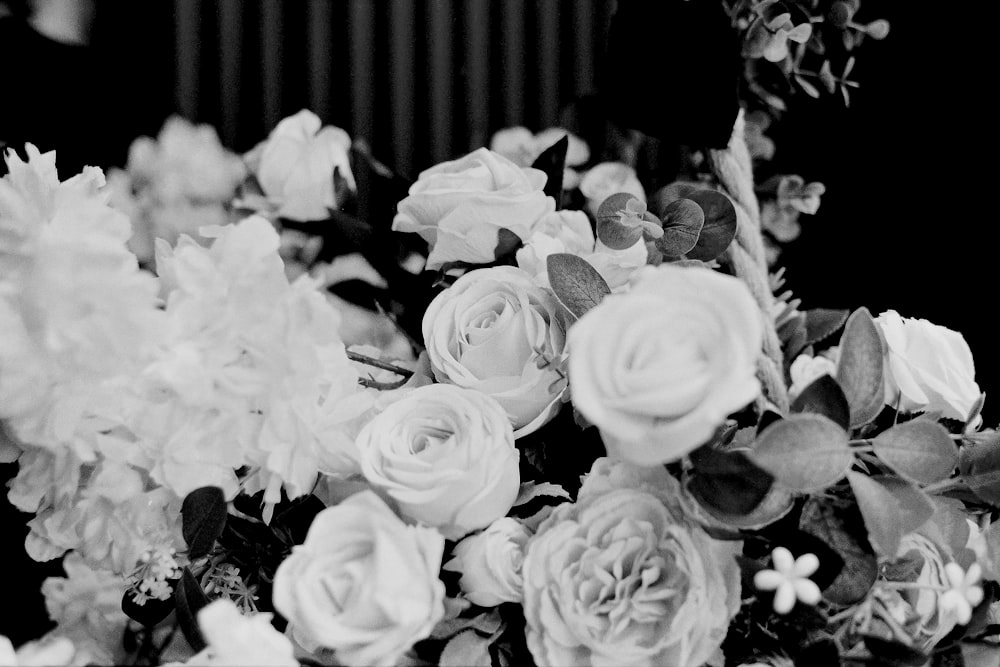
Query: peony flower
x=235 y=639
x=460 y=207
x=658 y=369
x=623 y=577
x=806 y=369
x=497 y=332
x=490 y=563
x=607 y=178
x=295 y=166
x=570 y=232
x=446 y=455
x=363 y=584
x=928 y=368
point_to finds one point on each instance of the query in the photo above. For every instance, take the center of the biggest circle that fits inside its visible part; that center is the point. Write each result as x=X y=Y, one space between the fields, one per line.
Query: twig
x=377 y=363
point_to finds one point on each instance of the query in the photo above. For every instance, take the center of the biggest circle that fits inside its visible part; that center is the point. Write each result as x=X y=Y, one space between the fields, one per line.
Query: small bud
x=840 y=14
x=878 y=29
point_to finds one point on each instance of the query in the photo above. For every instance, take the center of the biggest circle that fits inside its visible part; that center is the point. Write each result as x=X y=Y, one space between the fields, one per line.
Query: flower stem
x=384 y=365
x=910 y=585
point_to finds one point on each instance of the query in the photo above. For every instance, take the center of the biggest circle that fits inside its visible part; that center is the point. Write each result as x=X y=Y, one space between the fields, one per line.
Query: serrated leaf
x=683 y=221
x=719 y=228
x=840 y=528
x=610 y=230
x=727 y=482
x=919 y=450
x=577 y=284
x=889 y=513
x=979 y=465
x=824 y=397
x=203 y=515
x=948 y=526
x=553 y=162
x=859 y=369
x=531 y=490
x=805 y=452
x=821 y=323
x=190 y=598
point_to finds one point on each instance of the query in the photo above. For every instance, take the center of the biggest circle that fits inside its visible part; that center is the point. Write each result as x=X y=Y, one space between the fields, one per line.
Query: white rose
x=490 y=563
x=498 y=332
x=928 y=367
x=806 y=369
x=659 y=368
x=47 y=652
x=363 y=583
x=235 y=639
x=445 y=455
x=607 y=178
x=459 y=207
x=297 y=163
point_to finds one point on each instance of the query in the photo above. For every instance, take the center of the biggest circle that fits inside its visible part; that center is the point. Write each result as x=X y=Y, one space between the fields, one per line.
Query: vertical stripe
x=321 y=36
x=361 y=24
x=583 y=48
x=547 y=38
x=272 y=59
x=187 y=56
x=230 y=53
x=440 y=30
x=403 y=51
x=477 y=71
x=512 y=35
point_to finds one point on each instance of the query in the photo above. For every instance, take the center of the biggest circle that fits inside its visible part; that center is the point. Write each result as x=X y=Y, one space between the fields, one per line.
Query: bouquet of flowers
x=540 y=413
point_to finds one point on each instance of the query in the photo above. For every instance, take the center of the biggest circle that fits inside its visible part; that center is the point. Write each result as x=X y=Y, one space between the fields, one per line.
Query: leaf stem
x=944 y=485
x=378 y=363
x=910 y=585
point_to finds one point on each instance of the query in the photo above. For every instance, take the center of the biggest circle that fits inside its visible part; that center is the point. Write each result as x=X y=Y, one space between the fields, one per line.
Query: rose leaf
x=891 y=508
x=859 y=370
x=979 y=465
x=190 y=598
x=610 y=230
x=824 y=397
x=466 y=649
x=683 y=221
x=553 y=162
x=805 y=452
x=719 y=229
x=840 y=528
x=821 y=323
x=727 y=482
x=577 y=284
x=948 y=526
x=203 y=515
x=920 y=450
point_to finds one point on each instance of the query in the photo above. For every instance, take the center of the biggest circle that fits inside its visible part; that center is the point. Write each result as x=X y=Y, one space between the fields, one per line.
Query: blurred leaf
x=683 y=221
x=824 y=397
x=809 y=89
x=889 y=515
x=610 y=230
x=466 y=649
x=840 y=527
x=821 y=323
x=577 y=284
x=919 y=450
x=190 y=598
x=719 y=229
x=979 y=465
x=948 y=526
x=507 y=243
x=974 y=412
x=980 y=655
x=531 y=490
x=553 y=162
x=859 y=370
x=727 y=482
x=991 y=536
x=203 y=515
x=298 y=516
x=892 y=653
x=805 y=452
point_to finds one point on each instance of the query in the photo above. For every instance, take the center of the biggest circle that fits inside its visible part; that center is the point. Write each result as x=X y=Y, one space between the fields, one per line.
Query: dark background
x=907 y=221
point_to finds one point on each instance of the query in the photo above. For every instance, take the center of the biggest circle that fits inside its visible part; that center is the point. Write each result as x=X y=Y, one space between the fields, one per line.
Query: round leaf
x=683 y=220
x=824 y=397
x=891 y=508
x=577 y=284
x=806 y=452
x=920 y=450
x=859 y=370
x=203 y=515
x=840 y=528
x=719 y=229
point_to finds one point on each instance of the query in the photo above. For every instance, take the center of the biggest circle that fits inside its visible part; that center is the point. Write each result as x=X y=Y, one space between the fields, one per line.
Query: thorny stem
x=386 y=366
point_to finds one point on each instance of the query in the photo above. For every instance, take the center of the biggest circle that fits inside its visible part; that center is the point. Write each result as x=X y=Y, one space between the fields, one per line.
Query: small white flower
x=964 y=592
x=789 y=579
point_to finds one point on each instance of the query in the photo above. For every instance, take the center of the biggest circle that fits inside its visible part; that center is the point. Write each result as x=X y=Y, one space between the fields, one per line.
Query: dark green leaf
x=920 y=450
x=842 y=529
x=948 y=526
x=806 y=452
x=719 y=229
x=727 y=482
x=890 y=508
x=979 y=464
x=822 y=323
x=553 y=162
x=670 y=193
x=610 y=230
x=150 y=612
x=824 y=397
x=203 y=514
x=577 y=284
x=190 y=598
x=683 y=221
x=892 y=653
x=859 y=370
x=507 y=243
x=980 y=655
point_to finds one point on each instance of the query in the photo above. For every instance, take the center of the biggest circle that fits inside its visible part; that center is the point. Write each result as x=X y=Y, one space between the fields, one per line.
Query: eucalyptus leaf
x=190 y=598
x=859 y=370
x=920 y=450
x=683 y=221
x=577 y=284
x=553 y=162
x=203 y=516
x=839 y=527
x=610 y=230
x=824 y=396
x=979 y=464
x=670 y=193
x=821 y=323
x=719 y=228
x=805 y=452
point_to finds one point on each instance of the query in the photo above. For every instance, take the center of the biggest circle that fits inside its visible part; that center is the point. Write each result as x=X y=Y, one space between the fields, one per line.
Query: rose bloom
x=363 y=583
x=928 y=368
x=659 y=368
x=498 y=332
x=623 y=577
x=459 y=207
x=446 y=455
x=490 y=563
x=295 y=166
x=235 y=639
x=608 y=178
x=45 y=652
